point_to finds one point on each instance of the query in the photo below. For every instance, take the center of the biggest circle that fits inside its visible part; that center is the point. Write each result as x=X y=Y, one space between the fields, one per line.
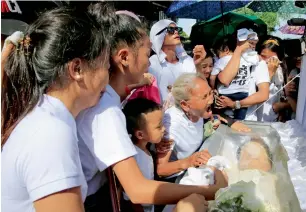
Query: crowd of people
x=84 y=97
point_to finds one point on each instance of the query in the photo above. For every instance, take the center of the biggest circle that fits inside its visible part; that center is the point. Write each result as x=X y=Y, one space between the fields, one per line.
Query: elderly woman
x=170 y=59
x=184 y=125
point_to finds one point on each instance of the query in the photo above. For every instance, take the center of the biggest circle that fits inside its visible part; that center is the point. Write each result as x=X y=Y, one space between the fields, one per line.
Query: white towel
x=205 y=175
x=251 y=57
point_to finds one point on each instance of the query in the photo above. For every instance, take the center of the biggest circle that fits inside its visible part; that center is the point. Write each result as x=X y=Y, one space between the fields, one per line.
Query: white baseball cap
x=246 y=34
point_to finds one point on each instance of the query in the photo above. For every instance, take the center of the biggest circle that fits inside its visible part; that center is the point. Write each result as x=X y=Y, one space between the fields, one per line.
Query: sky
x=186 y=24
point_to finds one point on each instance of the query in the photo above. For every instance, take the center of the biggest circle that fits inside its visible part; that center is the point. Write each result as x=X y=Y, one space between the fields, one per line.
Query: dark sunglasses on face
x=171 y=30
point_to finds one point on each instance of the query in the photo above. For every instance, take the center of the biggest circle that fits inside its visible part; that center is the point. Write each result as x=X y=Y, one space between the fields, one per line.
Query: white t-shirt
x=266 y=113
x=41 y=157
x=240 y=83
x=166 y=73
x=146 y=166
x=187 y=135
x=103 y=138
x=259 y=74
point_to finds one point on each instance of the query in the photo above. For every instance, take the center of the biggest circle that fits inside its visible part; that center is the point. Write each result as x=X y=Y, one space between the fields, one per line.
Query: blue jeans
x=239 y=114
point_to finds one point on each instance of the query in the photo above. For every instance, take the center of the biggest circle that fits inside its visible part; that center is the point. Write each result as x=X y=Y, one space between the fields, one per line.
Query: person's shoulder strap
x=113 y=189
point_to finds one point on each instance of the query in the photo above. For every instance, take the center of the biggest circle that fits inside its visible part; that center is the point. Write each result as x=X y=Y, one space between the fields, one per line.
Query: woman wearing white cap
x=170 y=59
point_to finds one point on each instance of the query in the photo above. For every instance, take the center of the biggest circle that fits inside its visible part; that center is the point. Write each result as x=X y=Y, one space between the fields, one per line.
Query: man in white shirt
x=170 y=59
x=238 y=88
x=258 y=85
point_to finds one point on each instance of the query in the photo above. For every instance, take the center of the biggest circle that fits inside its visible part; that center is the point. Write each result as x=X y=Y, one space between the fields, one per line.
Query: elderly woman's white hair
x=183 y=86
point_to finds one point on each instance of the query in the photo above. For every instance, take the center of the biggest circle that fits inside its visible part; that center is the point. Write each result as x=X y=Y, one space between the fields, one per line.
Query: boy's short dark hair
x=227 y=42
x=248 y=25
x=134 y=111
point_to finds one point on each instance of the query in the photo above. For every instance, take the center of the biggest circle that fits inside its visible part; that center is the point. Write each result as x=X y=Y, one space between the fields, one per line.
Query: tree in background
x=184 y=35
x=270 y=18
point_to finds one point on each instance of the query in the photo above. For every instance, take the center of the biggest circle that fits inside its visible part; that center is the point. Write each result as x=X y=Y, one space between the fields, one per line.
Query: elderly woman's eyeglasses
x=171 y=30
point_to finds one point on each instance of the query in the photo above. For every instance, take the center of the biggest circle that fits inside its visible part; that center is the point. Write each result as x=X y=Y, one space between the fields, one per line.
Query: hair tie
x=14 y=39
x=24 y=45
x=128 y=13
x=271 y=41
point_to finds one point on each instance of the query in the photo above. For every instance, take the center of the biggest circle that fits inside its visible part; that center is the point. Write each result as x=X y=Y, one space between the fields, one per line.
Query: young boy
x=239 y=87
x=144 y=120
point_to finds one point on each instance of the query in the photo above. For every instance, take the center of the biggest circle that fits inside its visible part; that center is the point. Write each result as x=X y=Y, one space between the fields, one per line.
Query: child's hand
x=198 y=158
x=147 y=79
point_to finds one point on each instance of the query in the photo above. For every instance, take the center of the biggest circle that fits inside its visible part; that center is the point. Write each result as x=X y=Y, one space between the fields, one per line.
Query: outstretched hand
x=199 y=54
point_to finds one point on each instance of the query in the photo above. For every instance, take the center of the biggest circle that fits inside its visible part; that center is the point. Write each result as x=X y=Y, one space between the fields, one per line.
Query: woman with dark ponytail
x=58 y=69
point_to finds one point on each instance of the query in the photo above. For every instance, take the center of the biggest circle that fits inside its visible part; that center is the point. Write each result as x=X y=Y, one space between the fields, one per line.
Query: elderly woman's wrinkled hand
x=238 y=126
x=199 y=54
x=198 y=158
x=164 y=146
x=192 y=203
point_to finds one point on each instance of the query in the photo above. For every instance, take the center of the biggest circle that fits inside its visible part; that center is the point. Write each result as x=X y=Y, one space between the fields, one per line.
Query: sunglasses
x=171 y=30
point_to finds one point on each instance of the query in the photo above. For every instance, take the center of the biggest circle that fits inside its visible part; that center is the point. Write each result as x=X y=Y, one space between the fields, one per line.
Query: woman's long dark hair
x=40 y=60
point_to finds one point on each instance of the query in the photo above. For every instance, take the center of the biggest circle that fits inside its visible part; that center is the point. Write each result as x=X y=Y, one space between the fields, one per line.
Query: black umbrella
x=16 y=15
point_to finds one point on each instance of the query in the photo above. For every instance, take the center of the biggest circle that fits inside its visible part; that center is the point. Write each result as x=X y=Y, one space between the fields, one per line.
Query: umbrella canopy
x=201 y=9
x=16 y=15
x=276 y=6
x=207 y=32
